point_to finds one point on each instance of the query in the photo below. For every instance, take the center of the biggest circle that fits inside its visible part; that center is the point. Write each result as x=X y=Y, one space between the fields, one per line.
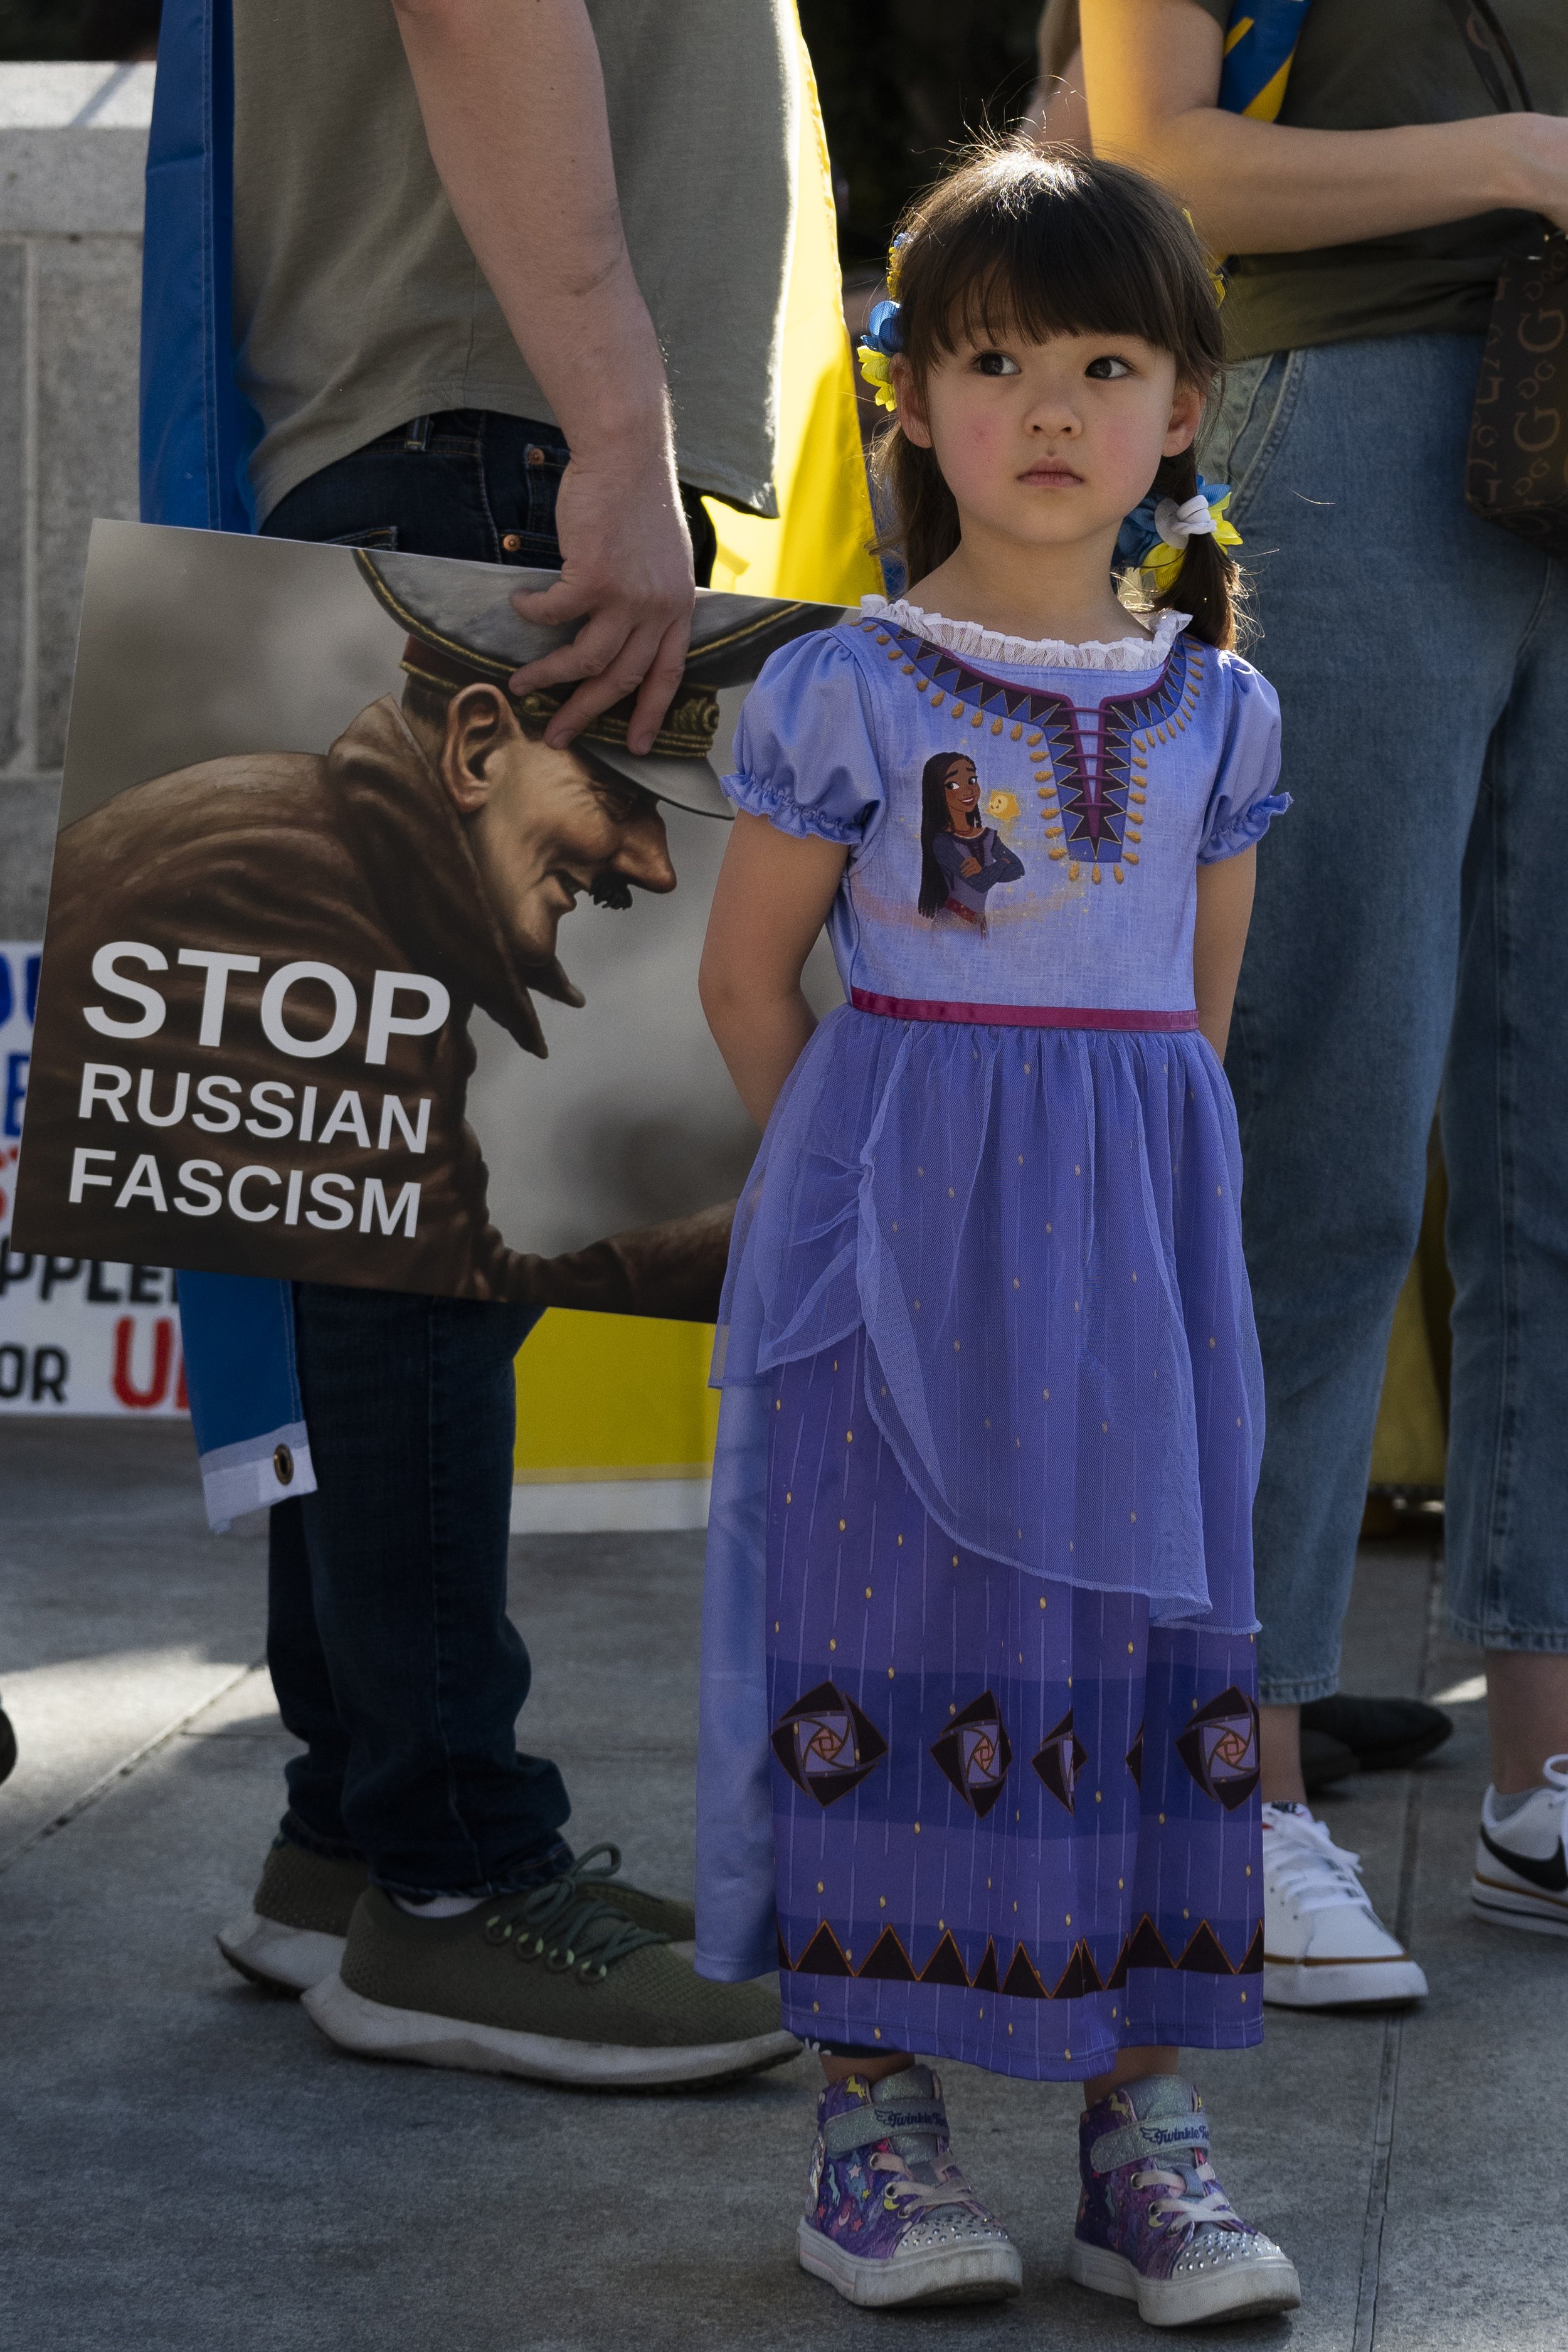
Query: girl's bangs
x=1047 y=262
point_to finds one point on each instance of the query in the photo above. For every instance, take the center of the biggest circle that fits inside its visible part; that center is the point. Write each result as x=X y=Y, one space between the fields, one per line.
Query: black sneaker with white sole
x=1521 y=1870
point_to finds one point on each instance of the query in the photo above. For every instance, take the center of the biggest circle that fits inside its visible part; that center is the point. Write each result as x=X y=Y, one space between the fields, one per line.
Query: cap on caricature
x=463 y=629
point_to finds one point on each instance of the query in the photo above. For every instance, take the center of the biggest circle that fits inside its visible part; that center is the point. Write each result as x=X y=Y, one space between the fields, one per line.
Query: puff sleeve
x=803 y=755
x=1244 y=800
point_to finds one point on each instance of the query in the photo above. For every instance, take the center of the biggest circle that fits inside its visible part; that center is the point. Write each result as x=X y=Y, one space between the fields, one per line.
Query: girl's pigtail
x=1209 y=585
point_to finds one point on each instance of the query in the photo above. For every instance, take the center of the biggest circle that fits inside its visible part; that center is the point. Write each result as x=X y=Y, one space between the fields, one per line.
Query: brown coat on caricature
x=293 y=857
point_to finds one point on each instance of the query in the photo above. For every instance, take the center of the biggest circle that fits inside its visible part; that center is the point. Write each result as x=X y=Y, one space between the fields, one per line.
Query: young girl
x=979 y=1733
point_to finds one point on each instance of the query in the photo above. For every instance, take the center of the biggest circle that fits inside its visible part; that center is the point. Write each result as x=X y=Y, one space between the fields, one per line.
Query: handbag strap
x=1492 y=54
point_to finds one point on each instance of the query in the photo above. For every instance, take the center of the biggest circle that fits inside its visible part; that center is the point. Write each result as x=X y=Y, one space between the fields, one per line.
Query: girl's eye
x=1107 y=368
x=996 y=364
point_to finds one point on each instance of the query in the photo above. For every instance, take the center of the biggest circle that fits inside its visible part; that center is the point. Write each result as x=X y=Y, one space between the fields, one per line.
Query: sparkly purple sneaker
x=1154 y=2225
x=889 y=2218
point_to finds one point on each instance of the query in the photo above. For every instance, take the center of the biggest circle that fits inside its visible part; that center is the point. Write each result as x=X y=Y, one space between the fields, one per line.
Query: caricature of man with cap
x=439 y=836
x=543 y=825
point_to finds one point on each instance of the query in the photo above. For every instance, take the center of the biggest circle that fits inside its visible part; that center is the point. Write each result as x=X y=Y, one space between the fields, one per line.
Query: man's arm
x=1151 y=69
x=514 y=100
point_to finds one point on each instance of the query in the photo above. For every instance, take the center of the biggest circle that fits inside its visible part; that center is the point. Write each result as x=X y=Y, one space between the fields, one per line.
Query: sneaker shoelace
x=1311 y=1870
x=567 y=1924
x=1199 y=2201
x=906 y=2195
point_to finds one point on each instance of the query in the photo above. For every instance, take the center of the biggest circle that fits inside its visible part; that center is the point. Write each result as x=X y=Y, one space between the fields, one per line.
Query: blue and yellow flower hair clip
x=875 y=352
x=1154 y=538
x=881 y=339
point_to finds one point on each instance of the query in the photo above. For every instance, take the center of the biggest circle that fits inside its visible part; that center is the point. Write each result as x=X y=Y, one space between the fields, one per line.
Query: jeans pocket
x=1239 y=442
x=384 y=536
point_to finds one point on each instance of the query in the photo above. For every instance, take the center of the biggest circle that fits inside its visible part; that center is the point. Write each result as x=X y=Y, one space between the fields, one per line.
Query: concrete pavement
x=186 y=2163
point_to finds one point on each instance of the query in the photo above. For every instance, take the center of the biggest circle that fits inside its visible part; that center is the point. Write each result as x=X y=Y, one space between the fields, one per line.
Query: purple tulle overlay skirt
x=1038 y=1230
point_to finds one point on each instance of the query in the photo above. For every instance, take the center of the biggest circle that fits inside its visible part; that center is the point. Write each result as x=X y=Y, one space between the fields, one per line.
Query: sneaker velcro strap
x=1149 y=2142
x=862 y=2126
x=931 y=2117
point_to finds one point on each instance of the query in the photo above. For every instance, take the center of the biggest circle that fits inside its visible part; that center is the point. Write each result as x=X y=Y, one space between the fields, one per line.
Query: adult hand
x=626 y=575
x=514 y=101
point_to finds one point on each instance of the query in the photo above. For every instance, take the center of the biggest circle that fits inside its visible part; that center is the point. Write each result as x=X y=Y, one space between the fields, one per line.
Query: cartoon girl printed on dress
x=960 y=858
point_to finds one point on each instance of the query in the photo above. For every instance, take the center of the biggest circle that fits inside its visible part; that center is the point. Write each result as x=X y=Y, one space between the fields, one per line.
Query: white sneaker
x=1324 y=1947
x=1521 y=1871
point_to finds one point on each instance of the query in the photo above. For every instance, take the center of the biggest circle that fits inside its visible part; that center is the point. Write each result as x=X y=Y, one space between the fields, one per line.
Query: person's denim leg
x=303 y=1682
x=1393 y=623
x=409 y=1402
x=1505 y=1139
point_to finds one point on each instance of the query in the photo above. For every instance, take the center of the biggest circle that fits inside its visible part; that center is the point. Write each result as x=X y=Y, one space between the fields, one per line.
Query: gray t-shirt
x=357 y=304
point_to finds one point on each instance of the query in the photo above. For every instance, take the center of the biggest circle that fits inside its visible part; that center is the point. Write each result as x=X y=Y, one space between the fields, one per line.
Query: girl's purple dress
x=979 y=1748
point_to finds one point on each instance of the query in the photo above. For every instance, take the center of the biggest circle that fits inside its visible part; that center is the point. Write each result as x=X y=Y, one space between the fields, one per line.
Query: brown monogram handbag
x=1516 y=469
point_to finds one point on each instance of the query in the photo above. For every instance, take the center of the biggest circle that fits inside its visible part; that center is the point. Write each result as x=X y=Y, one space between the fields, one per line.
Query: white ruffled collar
x=1131 y=653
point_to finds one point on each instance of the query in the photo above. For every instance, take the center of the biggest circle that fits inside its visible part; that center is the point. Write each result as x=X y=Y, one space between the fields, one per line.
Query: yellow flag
x=819 y=546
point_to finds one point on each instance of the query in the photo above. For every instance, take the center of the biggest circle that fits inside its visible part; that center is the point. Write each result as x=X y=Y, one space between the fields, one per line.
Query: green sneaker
x=298 y=1924
x=293 y=1935
x=559 y=1984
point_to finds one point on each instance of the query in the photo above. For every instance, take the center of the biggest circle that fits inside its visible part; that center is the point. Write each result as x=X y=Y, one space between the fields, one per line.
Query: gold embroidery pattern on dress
x=1093 y=804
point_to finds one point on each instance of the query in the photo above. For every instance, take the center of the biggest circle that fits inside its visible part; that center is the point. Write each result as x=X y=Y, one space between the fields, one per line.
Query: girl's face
x=1050 y=443
x=962 y=787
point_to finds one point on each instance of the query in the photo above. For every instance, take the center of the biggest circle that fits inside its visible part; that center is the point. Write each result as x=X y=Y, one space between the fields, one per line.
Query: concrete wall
x=73 y=143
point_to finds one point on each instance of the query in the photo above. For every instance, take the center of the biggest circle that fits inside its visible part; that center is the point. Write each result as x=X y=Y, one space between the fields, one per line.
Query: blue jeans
x=1409 y=936
x=388 y=1640
x=391 y=1651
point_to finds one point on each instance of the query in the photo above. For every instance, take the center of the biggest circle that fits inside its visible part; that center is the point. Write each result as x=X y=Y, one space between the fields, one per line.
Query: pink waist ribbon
x=1018 y=1016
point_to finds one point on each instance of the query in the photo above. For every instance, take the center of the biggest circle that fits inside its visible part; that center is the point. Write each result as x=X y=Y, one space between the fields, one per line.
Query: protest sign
x=303 y=958
x=76 y=1335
